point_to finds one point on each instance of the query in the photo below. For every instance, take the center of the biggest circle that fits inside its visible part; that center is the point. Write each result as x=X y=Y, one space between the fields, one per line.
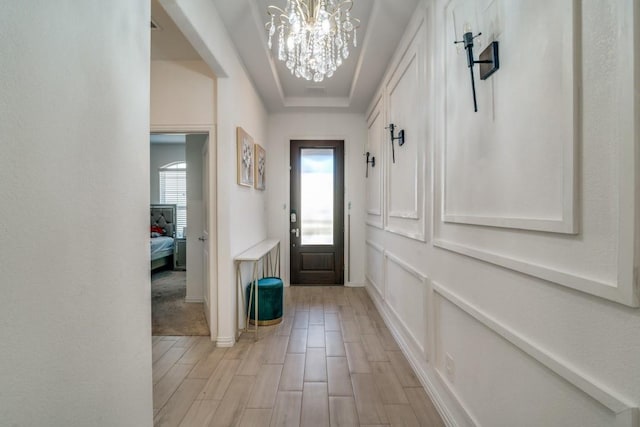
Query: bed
x=163 y=220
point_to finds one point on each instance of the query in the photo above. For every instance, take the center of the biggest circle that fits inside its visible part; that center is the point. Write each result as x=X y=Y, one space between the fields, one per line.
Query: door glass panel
x=316 y=196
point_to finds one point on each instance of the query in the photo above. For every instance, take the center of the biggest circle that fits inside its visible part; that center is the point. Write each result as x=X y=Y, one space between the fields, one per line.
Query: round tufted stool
x=270 y=293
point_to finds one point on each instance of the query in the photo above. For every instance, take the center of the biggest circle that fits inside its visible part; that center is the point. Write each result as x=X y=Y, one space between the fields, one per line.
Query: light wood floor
x=331 y=361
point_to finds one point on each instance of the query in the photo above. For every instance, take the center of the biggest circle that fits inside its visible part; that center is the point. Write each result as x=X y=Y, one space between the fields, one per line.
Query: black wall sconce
x=372 y=162
x=489 y=62
x=400 y=139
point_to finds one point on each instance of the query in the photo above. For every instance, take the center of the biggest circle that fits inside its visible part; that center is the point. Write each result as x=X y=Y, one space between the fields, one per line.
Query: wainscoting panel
x=374 y=270
x=526 y=174
x=405 y=189
x=474 y=349
x=375 y=140
x=406 y=295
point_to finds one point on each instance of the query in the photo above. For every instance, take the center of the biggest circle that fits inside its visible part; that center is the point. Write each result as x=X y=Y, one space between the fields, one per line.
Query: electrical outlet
x=450 y=367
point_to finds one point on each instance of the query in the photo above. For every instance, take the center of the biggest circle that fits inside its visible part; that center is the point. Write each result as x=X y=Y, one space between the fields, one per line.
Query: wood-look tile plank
x=401 y=415
x=166 y=362
x=286 y=413
x=315 y=405
x=297 y=341
x=285 y=326
x=357 y=358
x=332 y=322
x=256 y=418
x=159 y=349
x=301 y=320
x=338 y=377
x=316 y=317
x=186 y=341
x=403 y=370
x=373 y=348
x=330 y=305
x=423 y=408
x=169 y=383
x=208 y=364
x=386 y=339
x=342 y=411
x=334 y=344
x=266 y=387
x=179 y=403
x=292 y=377
x=218 y=382
x=233 y=403
x=389 y=387
x=346 y=312
x=239 y=350
x=201 y=348
x=200 y=413
x=315 y=336
x=254 y=359
x=277 y=349
x=368 y=403
x=365 y=324
x=350 y=331
x=315 y=367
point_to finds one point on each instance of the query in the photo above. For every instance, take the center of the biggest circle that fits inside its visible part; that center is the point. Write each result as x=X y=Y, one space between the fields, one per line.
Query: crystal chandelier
x=313 y=36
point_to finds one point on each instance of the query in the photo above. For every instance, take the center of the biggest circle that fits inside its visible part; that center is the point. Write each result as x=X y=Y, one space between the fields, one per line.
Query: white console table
x=267 y=251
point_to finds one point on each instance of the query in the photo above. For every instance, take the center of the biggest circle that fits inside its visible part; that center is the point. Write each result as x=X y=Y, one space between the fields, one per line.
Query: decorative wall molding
x=618 y=405
x=409 y=219
x=423 y=300
x=613 y=292
x=564 y=220
x=379 y=287
x=375 y=126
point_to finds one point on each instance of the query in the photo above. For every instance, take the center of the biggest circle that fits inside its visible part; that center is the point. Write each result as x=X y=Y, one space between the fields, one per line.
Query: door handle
x=202 y=238
x=295 y=231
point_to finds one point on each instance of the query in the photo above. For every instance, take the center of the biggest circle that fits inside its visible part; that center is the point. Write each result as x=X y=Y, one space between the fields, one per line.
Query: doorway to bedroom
x=178 y=233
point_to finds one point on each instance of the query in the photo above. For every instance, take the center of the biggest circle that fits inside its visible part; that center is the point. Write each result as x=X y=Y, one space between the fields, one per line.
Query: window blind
x=173 y=190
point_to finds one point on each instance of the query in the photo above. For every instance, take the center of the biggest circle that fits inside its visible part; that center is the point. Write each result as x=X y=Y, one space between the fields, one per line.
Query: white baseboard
x=355 y=285
x=225 y=342
x=194 y=300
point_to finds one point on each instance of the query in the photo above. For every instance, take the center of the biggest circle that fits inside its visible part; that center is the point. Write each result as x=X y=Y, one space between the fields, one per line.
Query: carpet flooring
x=170 y=315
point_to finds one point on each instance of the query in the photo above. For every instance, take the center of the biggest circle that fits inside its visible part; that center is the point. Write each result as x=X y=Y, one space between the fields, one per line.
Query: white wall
x=241 y=219
x=162 y=154
x=348 y=127
x=182 y=94
x=74 y=263
x=183 y=99
x=513 y=303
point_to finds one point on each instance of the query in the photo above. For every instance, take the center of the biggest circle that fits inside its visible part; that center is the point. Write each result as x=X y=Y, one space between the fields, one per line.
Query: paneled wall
x=502 y=245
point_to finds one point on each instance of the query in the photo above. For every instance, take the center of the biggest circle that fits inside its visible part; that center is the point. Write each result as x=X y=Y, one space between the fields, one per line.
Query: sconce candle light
x=400 y=138
x=372 y=161
x=488 y=56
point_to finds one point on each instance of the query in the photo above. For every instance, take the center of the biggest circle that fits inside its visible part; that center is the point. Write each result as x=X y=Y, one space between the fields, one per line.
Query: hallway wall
x=502 y=245
x=241 y=220
x=74 y=214
x=348 y=127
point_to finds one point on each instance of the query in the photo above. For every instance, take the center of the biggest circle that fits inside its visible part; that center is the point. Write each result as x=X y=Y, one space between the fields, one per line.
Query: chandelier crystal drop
x=313 y=36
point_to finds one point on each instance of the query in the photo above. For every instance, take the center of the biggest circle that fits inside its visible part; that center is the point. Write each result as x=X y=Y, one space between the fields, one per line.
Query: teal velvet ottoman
x=270 y=297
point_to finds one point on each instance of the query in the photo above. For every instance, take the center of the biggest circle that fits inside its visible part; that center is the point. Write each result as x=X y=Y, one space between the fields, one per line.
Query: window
x=173 y=190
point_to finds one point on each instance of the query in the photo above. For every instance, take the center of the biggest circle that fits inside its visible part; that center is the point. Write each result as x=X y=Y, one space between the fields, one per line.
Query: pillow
x=154 y=234
x=159 y=230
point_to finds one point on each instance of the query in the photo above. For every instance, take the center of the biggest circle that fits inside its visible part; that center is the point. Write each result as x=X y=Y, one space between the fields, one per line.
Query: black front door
x=317 y=212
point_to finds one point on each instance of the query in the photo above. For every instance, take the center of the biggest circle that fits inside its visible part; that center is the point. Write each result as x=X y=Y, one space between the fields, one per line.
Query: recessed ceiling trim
x=341 y=102
x=364 y=47
x=255 y=13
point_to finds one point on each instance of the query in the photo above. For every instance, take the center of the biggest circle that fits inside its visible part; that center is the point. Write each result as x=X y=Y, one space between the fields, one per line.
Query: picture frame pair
x=251 y=158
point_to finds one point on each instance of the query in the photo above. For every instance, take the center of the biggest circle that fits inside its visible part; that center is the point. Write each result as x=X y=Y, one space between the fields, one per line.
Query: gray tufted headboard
x=164 y=216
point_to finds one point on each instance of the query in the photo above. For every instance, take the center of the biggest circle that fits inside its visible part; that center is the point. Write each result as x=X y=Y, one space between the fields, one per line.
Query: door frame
x=211 y=130
x=284 y=231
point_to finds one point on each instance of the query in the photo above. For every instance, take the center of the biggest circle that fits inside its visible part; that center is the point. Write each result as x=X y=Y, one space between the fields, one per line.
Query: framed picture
x=245 y=158
x=260 y=165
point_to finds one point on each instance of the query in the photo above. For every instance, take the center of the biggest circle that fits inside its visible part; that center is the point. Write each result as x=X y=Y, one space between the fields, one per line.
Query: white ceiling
x=349 y=90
